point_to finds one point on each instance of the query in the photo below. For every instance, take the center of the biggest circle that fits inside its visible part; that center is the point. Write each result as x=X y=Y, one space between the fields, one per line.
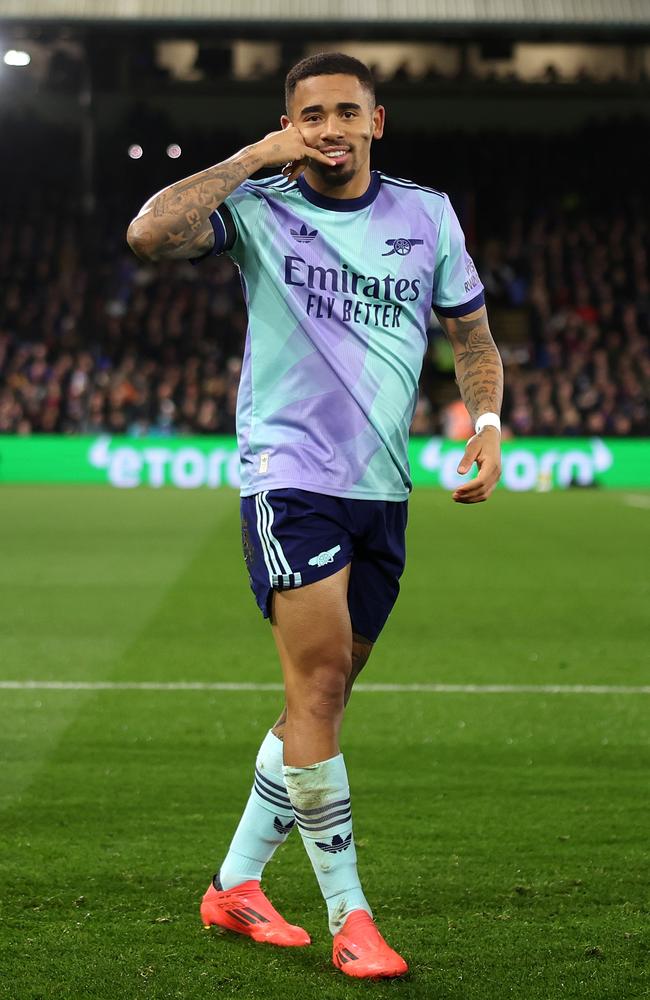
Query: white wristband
x=487 y=420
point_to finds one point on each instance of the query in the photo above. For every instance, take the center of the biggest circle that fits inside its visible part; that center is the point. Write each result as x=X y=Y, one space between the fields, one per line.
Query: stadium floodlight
x=135 y=151
x=174 y=150
x=16 y=57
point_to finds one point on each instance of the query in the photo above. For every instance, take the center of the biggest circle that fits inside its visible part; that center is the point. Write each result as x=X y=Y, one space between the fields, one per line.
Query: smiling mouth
x=337 y=155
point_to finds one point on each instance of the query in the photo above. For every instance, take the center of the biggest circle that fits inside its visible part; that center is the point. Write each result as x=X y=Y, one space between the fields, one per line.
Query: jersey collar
x=341 y=204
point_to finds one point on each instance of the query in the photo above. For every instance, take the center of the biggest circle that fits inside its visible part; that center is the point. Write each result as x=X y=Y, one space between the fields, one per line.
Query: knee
x=320 y=691
x=322 y=700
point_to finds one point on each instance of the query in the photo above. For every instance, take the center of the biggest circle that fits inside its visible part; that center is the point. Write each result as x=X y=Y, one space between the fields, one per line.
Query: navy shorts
x=293 y=537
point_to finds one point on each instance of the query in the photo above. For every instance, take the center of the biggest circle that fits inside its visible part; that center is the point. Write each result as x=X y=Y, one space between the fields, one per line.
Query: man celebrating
x=340 y=267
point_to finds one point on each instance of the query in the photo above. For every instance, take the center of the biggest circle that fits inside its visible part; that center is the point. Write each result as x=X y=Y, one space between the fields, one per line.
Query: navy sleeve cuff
x=219 y=229
x=466 y=307
x=223 y=228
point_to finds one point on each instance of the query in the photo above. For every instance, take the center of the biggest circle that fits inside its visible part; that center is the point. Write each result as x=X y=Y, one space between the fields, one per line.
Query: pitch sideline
x=362 y=688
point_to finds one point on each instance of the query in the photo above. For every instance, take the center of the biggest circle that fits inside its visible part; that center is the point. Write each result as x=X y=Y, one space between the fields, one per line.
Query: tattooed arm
x=175 y=223
x=479 y=374
x=479 y=371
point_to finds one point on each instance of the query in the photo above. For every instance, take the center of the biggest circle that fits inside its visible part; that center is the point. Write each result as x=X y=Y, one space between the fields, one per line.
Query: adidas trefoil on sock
x=320 y=797
x=266 y=821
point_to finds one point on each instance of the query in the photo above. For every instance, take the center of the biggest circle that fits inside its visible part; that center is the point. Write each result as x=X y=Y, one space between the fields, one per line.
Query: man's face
x=337 y=115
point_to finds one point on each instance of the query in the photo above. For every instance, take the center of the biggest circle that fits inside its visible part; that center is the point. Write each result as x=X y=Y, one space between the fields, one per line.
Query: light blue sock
x=320 y=796
x=266 y=822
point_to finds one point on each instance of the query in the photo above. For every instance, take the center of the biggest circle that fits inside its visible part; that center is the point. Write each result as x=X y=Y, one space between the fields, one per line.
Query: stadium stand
x=92 y=340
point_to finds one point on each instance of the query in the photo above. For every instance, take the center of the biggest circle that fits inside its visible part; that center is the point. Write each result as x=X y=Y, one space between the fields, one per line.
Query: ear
x=378 y=121
x=284 y=121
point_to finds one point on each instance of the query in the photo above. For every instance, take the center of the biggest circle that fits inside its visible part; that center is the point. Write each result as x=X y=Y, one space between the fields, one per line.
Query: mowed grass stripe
x=514 y=591
x=82 y=574
x=360 y=688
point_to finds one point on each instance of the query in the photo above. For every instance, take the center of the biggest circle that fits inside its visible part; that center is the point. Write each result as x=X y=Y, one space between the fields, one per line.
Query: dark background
x=548 y=174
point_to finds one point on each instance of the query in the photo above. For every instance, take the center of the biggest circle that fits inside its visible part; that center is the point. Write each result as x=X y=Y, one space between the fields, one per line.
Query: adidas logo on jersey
x=304 y=235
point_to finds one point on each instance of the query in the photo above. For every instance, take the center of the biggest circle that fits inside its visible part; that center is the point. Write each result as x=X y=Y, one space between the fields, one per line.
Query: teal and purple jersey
x=339 y=295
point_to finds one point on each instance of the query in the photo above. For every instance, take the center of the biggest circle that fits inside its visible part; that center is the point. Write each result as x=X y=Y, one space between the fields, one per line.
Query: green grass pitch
x=502 y=838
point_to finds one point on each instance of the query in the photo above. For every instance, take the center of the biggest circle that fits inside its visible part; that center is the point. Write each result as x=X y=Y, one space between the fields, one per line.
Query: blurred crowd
x=119 y=346
x=93 y=340
x=570 y=306
x=586 y=367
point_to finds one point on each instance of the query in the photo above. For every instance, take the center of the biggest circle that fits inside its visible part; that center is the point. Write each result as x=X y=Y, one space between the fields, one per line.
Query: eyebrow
x=341 y=106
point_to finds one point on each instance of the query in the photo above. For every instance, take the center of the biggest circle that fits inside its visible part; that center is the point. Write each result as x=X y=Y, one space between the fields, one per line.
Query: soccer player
x=340 y=267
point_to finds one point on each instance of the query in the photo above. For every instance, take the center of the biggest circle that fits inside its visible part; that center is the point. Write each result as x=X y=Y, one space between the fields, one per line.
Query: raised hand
x=287 y=148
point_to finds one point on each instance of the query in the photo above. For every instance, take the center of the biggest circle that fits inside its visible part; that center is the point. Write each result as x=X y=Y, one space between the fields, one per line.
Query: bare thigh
x=313 y=635
x=302 y=623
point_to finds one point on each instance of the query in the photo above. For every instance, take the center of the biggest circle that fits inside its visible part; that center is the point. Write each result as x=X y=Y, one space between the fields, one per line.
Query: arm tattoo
x=479 y=371
x=207 y=189
x=174 y=246
x=174 y=218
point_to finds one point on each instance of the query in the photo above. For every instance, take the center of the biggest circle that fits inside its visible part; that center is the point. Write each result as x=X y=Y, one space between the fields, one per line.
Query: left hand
x=485 y=450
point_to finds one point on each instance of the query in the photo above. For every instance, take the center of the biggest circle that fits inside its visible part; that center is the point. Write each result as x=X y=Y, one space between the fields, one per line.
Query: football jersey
x=339 y=295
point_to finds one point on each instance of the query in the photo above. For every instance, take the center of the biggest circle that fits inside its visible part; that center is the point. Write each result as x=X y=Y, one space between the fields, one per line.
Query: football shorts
x=293 y=537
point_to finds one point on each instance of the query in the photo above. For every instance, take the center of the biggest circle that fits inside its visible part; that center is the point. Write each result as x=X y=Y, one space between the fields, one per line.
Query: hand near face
x=287 y=148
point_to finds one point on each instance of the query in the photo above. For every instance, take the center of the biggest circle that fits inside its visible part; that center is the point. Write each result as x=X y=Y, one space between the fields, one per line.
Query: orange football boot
x=359 y=950
x=246 y=910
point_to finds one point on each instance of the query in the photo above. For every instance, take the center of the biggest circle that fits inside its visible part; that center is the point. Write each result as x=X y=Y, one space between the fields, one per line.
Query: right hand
x=288 y=149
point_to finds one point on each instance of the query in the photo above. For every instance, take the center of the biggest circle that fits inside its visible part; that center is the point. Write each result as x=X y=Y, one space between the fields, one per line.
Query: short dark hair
x=327 y=64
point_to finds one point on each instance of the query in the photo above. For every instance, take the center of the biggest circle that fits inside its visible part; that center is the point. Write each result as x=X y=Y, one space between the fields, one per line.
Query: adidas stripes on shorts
x=292 y=538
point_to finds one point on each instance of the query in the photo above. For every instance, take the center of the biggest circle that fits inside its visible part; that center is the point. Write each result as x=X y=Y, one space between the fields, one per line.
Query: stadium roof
x=621 y=13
